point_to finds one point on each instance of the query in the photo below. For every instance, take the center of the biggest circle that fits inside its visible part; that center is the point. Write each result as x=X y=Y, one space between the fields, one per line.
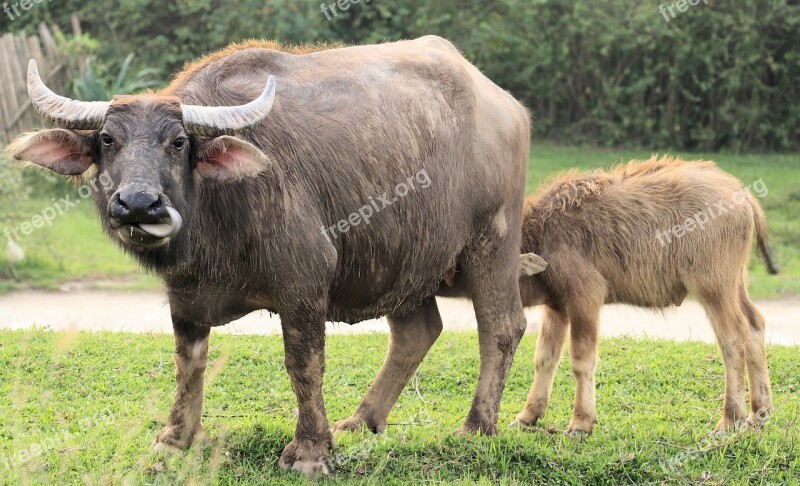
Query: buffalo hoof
x=308 y=459
x=358 y=424
x=480 y=429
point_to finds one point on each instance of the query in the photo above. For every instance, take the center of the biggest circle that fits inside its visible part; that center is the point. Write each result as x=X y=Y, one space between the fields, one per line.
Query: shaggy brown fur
x=602 y=235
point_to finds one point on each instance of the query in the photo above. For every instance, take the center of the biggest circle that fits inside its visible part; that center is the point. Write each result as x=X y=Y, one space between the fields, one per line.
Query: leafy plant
x=74 y=47
x=98 y=82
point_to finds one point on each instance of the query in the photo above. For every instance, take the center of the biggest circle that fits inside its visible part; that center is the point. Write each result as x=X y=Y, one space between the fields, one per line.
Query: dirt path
x=148 y=312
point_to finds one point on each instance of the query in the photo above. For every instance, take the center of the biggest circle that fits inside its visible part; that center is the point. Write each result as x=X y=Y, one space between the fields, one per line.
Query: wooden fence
x=16 y=50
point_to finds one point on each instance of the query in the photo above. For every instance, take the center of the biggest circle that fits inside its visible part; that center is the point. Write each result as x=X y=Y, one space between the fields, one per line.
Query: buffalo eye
x=106 y=139
x=179 y=143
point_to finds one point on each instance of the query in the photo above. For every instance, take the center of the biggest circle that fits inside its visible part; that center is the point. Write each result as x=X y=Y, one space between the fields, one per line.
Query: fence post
x=16 y=50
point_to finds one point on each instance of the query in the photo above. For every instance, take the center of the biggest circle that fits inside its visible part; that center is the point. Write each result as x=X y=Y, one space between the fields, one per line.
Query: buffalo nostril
x=140 y=200
x=117 y=209
x=137 y=207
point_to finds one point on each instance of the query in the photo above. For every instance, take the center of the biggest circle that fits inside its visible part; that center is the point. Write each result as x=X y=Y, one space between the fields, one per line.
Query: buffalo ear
x=531 y=264
x=228 y=158
x=62 y=151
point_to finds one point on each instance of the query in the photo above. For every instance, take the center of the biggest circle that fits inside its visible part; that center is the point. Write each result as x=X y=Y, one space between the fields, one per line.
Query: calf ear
x=228 y=158
x=531 y=264
x=62 y=151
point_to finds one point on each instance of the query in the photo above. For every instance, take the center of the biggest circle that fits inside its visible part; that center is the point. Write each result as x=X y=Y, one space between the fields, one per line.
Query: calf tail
x=762 y=235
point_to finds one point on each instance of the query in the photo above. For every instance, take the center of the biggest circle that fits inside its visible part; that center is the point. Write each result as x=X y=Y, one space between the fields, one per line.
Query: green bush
x=12 y=184
x=717 y=76
x=18 y=184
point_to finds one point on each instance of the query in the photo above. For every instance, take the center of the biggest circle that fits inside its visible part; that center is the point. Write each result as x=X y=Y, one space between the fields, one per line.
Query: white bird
x=14 y=252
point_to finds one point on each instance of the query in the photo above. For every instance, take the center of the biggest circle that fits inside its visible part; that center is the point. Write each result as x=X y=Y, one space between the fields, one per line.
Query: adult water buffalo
x=239 y=211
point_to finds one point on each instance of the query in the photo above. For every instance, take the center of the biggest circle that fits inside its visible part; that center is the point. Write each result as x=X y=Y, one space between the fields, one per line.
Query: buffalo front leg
x=191 y=358
x=410 y=338
x=304 y=345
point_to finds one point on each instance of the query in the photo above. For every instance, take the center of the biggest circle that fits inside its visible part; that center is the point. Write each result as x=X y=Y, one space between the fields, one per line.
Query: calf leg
x=549 y=349
x=757 y=371
x=410 y=338
x=731 y=331
x=583 y=356
x=191 y=358
x=304 y=345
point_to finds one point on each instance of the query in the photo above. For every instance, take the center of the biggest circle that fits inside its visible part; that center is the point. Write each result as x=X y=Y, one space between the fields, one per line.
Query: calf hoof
x=173 y=439
x=577 y=434
x=306 y=458
x=580 y=429
x=521 y=425
x=758 y=419
x=526 y=419
x=725 y=426
x=161 y=447
x=358 y=424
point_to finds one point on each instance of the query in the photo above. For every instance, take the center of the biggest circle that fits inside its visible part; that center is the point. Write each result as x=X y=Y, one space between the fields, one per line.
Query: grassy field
x=85 y=408
x=74 y=247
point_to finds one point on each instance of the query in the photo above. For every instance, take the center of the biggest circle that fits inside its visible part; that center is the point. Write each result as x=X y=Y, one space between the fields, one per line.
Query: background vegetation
x=722 y=75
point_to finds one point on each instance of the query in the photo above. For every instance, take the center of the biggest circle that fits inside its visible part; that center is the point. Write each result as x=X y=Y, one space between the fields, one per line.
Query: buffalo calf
x=648 y=234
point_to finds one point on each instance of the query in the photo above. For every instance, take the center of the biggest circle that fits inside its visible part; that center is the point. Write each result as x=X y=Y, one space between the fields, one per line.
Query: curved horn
x=64 y=112
x=212 y=121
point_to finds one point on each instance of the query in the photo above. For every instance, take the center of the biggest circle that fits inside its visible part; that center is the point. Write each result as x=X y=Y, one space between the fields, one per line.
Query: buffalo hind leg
x=757 y=370
x=731 y=330
x=410 y=338
x=549 y=349
x=492 y=271
x=191 y=357
x=304 y=346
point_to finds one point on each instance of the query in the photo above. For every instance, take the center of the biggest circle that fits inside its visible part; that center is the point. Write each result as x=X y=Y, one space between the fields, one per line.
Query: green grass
x=74 y=247
x=94 y=403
